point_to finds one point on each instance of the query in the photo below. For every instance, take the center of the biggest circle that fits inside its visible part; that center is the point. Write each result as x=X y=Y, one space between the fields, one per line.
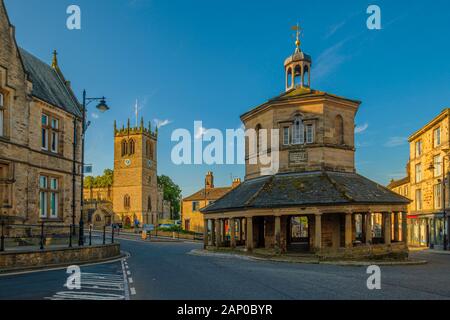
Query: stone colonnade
x=270 y=231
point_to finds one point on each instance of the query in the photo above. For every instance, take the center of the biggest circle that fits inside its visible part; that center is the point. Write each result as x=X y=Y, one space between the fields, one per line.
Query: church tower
x=135 y=174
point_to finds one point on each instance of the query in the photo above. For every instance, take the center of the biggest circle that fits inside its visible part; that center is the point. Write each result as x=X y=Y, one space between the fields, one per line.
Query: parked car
x=166 y=225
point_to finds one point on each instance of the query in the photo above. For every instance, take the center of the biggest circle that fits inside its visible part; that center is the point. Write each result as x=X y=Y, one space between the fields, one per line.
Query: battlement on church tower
x=131 y=130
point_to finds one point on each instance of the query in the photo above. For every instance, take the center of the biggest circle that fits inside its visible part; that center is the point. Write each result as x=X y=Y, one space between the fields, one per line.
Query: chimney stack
x=236 y=182
x=209 y=180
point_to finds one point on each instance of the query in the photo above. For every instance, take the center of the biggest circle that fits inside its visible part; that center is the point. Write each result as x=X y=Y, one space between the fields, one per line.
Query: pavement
x=166 y=270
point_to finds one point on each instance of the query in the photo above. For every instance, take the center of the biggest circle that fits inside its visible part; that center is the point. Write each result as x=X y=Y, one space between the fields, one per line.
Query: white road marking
x=133 y=291
x=130 y=280
x=128 y=273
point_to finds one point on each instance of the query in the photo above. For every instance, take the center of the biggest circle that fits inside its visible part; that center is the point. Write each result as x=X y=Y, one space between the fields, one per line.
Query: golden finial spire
x=55 y=60
x=298 y=31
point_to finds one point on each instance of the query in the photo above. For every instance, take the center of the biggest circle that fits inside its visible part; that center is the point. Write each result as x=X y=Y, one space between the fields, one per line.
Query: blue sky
x=214 y=60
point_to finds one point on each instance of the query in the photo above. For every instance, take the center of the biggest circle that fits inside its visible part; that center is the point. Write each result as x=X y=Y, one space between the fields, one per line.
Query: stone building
x=427 y=168
x=40 y=162
x=316 y=202
x=191 y=217
x=135 y=193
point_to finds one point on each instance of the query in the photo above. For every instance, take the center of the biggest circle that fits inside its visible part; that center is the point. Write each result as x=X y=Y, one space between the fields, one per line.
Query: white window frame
x=49 y=197
x=418 y=147
x=43 y=205
x=437 y=163
x=437 y=137
x=418 y=199
x=418 y=172
x=437 y=196
x=310 y=135
x=44 y=132
x=286 y=136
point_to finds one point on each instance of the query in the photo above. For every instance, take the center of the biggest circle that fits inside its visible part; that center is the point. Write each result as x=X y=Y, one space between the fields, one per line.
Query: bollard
x=70 y=236
x=42 y=237
x=2 y=240
x=90 y=235
x=112 y=235
x=104 y=234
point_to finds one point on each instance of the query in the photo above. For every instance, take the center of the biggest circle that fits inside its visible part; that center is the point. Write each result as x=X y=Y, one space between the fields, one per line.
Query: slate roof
x=211 y=194
x=398 y=183
x=317 y=188
x=48 y=85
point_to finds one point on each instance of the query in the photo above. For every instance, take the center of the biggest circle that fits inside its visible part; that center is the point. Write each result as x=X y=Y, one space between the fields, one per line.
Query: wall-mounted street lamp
x=102 y=107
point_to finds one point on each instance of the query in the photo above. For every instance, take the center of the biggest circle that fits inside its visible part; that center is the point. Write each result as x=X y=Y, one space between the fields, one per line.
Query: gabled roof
x=48 y=84
x=398 y=183
x=318 y=188
x=210 y=194
x=300 y=92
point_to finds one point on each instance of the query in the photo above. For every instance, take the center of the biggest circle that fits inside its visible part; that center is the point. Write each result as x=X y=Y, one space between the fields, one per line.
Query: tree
x=103 y=181
x=172 y=193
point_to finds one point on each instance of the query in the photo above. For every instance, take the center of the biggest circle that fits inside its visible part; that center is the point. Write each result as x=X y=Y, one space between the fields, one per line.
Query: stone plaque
x=298 y=157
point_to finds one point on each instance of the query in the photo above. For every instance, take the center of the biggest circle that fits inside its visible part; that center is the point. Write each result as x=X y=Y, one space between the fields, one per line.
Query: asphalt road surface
x=165 y=270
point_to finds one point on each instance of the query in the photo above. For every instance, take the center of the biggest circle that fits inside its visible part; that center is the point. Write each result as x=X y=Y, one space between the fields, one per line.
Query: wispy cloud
x=200 y=132
x=334 y=28
x=95 y=115
x=161 y=123
x=396 y=142
x=330 y=59
x=361 y=128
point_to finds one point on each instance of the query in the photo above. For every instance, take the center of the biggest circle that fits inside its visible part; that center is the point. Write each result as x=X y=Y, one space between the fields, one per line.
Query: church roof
x=48 y=84
x=299 y=92
x=210 y=194
x=318 y=188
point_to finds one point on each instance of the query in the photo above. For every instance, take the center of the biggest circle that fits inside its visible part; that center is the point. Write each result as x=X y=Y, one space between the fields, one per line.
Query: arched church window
x=124 y=148
x=297 y=75
x=149 y=203
x=126 y=202
x=339 y=129
x=298 y=131
x=289 y=78
x=132 y=147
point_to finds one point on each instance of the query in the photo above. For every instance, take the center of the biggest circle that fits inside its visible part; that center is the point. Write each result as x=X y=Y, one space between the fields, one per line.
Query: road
x=165 y=270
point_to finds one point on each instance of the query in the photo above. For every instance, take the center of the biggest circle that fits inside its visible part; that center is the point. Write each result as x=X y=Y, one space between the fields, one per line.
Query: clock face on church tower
x=127 y=162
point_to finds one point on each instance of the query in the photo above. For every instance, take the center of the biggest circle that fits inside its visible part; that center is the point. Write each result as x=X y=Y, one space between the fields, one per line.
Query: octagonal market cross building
x=316 y=202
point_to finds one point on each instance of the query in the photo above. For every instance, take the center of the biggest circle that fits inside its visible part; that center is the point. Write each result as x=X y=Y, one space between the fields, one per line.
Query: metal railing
x=48 y=235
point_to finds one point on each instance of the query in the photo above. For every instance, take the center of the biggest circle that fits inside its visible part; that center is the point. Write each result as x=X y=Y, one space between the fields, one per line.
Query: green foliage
x=172 y=193
x=103 y=181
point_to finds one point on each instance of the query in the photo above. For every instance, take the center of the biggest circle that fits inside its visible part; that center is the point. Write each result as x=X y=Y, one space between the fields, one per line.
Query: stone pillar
x=218 y=237
x=368 y=227
x=213 y=233
x=222 y=231
x=232 y=224
x=404 y=227
x=241 y=224
x=277 y=233
x=318 y=232
x=387 y=227
x=396 y=227
x=205 y=233
x=348 y=230
x=249 y=234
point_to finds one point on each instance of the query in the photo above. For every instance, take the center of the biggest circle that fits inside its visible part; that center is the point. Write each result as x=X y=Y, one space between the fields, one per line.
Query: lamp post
x=102 y=107
x=444 y=178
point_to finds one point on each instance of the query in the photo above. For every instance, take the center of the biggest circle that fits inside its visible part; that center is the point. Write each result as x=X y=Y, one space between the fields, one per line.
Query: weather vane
x=298 y=31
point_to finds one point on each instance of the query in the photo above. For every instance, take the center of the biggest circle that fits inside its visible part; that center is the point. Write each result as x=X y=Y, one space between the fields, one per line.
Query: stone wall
x=56 y=257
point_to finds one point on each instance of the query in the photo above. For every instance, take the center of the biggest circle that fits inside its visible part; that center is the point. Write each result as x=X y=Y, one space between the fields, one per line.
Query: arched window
x=297 y=76
x=126 y=202
x=298 y=131
x=289 y=78
x=132 y=147
x=306 y=76
x=149 y=203
x=98 y=218
x=339 y=129
x=258 y=138
x=124 y=146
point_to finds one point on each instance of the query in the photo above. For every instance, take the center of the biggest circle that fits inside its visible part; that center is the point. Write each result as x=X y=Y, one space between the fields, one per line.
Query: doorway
x=299 y=234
